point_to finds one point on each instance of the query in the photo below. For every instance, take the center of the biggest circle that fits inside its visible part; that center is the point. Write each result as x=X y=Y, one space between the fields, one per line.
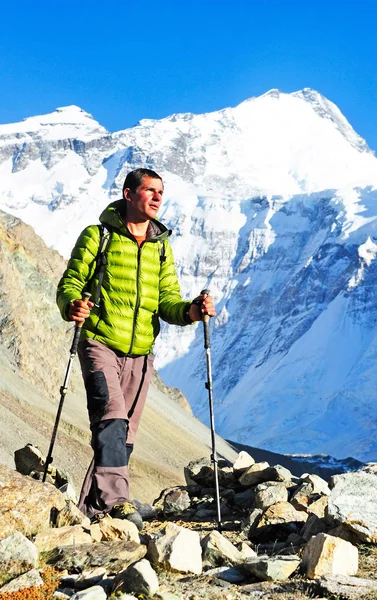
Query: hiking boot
x=127 y=510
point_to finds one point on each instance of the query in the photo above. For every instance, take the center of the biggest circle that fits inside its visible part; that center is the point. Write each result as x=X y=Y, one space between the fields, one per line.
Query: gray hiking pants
x=116 y=388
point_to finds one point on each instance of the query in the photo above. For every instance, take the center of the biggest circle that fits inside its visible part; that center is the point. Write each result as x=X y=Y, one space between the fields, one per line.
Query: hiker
x=127 y=265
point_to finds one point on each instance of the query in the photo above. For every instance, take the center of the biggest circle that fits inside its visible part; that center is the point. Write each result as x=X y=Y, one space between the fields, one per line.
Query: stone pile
x=278 y=532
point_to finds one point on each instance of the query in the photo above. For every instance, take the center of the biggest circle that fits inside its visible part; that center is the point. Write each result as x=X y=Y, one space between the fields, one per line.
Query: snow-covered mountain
x=273 y=205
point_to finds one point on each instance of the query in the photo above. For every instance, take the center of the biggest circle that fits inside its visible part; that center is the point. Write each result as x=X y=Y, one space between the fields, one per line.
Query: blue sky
x=125 y=60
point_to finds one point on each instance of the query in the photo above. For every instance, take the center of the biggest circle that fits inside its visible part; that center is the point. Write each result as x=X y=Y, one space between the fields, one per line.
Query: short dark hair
x=135 y=178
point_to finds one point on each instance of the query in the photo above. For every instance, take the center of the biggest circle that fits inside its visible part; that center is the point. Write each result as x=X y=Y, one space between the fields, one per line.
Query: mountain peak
x=310 y=94
x=328 y=110
x=274 y=93
x=65 y=121
x=322 y=106
x=73 y=112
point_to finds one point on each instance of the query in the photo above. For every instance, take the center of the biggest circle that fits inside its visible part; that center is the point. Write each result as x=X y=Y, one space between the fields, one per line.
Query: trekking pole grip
x=206 y=319
x=76 y=337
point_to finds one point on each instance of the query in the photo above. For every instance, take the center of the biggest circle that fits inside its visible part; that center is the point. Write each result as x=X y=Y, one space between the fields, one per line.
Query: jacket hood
x=114 y=216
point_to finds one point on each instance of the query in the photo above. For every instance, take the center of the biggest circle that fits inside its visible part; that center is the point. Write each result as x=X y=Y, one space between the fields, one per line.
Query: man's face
x=145 y=201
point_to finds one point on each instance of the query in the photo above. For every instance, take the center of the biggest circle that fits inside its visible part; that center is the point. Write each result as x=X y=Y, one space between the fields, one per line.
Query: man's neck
x=137 y=228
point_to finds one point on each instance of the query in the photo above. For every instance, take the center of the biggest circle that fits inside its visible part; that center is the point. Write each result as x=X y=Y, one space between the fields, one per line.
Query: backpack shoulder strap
x=101 y=260
x=162 y=252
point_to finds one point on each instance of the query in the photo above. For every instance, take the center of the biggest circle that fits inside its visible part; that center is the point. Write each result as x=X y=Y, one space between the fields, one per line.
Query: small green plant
x=4 y=577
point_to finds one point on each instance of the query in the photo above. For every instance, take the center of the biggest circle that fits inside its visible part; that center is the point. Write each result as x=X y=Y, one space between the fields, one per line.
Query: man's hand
x=79 y=310
x=202 y=305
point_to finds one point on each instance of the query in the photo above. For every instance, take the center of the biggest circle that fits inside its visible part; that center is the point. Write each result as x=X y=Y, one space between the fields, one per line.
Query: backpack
x=101 y=260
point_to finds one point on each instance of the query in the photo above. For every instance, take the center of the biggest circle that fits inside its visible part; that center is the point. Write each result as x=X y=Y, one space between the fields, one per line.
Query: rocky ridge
x=280 y=537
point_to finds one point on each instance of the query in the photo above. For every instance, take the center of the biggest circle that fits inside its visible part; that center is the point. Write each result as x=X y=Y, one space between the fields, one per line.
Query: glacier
x=273 y=206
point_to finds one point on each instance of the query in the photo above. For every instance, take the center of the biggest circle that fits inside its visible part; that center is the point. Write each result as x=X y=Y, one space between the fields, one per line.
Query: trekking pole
x=64 y=387
x=208 y=385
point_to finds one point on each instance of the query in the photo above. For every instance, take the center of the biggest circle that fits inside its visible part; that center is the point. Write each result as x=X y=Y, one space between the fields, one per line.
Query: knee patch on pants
x=97 y=394
x=109 y=443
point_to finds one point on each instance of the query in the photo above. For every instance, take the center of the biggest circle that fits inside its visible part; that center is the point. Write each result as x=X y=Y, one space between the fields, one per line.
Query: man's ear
x=126 y=194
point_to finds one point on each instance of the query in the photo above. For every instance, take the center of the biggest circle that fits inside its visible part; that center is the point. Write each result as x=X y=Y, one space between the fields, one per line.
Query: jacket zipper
x=137 y=304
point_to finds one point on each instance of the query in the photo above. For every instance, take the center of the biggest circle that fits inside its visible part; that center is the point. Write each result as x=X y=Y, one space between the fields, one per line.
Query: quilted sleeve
x=171 y=305
x=79 y=269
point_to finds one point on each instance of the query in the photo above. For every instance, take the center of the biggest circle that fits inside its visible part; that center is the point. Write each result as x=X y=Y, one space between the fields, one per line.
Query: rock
x=317 y=483
x=318 y=507
x=63 y=536
x=108 y=529
x=328 y=555
x=310 y=490
x=219 y=551
x=19 y=497
x=28 y=459
x=243 y=462
x=226 y=574
x=284 y=513
x=94 y=593
x=114 y=556
x=250 y=523
x=277 y=473
x=246 y=551
x=227 y=478
x=228 y=495
x=62 y=479
x=344 y=533
x=205 y=514
x=274 y=568
x=353 y=503
x=201 y=472
x=88 y=579
x=69 y=492
x=146 y=511
x=17 y=554
x=278 y=520
x=293 y=540
x=27 y=580
x=267 y=494
x=289 y=590
x=350 y=588
x=369 y=468
x=158 y=503
x=62 y=594
x=313 y=526
x=177 y=548
x=245 y=499
x=69 y=581
x=139 y=578
x=176 y=502
x=71 y=515
x=253 y=474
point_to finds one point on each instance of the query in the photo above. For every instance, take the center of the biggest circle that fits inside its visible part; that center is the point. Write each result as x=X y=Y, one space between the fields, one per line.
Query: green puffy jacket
x=138 y=287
